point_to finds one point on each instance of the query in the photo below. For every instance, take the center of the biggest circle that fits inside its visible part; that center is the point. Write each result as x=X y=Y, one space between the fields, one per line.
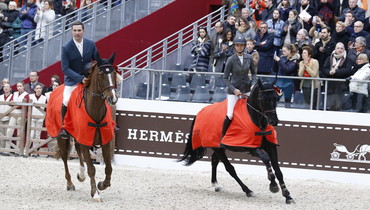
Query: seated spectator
x=314 y=32
x=6 y=96
x=284 y=9
x=230 y=23
x=340 y=34
x=52 y=79
x=291 y=28
x=223 y=51
x=244 y=29
x=44 y=16
x=265 y=48
x=275 y=27
x=359 y=90
x=287 y=66
x=324 y=48
x=359 y=13
x=302 y=40
x=306 y=12
x=34 y=80
x=359 y=47
x=359 y=31
x=267 y=12
x=10 y=15
x=253 y=52
x=308 y=67
x=201 y=51
x=234 y=6
x=38 y=98
x=338 y=66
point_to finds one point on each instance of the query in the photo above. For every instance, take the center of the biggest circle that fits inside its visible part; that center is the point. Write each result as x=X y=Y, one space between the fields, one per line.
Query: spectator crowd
x=305 y=38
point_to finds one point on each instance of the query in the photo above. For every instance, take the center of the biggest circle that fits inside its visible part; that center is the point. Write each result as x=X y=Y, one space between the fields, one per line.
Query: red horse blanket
x=241 y=133
x=77 y=122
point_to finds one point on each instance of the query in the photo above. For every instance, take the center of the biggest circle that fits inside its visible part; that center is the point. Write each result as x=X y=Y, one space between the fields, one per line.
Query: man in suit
x=75 y=55
x=34 y=80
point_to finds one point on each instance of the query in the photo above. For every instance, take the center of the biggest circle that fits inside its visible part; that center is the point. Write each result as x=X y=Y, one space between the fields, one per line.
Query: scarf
x=291 y=21
x=242 y=29
x=325 y=41
x=234 y=6
x=337 y=60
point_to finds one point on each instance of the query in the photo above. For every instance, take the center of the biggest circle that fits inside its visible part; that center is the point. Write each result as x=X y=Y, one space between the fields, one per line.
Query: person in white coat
x=359 y=90
x=7 y=96
x=37 y=122
x=45 y=14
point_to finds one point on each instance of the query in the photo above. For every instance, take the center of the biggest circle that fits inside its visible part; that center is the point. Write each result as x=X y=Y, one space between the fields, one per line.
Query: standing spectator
x=356 y=11
x=303 y=40
x=306 y=13
x=5 y=37
x=287 y=66
x=267 y=12
x=253 y=52
x=223 y=51
x=291 y=28
x=284 y=9
x=69 y=7
x=230 y=23
x=326 y=11
x=235 y=6
x=55 y=84
x=275 y=27
x=341 y=5
x=201 y=51
x=6 y=96
x=43 y=17
x=359 y=31
x=38 y=98
x=87 y=11
x=58 y=5
x=359 y=90
x=337 y=65
x=359 y=47
x=246 y=13
x=236 y=77
x=53 y=78
x=349 y=21
x=27 y=15
x=309 y=67
x=324 y=48
x=341 y=34
x=11 y=14
x=216 y=38
x=34 y=80
x=265 y=48
x=17 y=97
x=314 y=32
x=244 y=29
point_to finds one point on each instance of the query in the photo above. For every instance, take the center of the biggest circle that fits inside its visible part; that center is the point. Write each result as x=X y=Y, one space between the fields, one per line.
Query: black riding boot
x=226 y=125
x=62 y=132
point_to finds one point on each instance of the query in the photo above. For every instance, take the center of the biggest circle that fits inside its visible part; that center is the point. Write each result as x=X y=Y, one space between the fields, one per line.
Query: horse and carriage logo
x=359 y=152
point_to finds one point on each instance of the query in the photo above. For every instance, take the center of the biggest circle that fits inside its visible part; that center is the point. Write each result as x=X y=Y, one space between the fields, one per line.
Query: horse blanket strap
x=97 y=125
x=263 y=133
x=242 y=132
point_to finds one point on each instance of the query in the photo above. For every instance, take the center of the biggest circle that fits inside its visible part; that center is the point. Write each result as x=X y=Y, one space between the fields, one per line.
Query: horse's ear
x=111 y=59
x=98 y=58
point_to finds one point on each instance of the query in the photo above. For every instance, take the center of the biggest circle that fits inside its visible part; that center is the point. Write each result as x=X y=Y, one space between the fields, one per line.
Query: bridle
x=260 y=99
x=106 y=69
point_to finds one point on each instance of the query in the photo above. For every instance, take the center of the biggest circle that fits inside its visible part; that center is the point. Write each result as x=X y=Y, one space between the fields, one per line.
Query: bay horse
x=98 y=88
x=261 y=107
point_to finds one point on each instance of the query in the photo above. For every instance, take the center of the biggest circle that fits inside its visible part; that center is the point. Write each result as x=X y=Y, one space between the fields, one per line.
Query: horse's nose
x=113 y=100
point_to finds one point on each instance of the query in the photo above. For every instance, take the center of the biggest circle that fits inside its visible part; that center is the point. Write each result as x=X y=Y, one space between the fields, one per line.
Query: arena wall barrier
x=330 y=141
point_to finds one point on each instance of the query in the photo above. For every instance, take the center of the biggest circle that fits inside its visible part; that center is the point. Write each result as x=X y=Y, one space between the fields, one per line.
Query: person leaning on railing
x=359 y=90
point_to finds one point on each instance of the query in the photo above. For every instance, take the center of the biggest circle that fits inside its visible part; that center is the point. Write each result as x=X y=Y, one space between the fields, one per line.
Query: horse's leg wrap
x=286 y=193
x=215 y=161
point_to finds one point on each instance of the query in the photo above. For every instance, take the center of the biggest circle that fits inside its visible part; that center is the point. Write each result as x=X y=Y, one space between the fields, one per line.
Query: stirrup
x=63 y=133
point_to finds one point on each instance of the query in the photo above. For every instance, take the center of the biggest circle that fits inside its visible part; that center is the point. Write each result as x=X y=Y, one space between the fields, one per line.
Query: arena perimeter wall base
x=329 y=144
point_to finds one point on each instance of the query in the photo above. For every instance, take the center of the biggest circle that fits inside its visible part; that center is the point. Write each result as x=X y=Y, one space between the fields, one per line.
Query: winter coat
x=321 y=56
x=266 y=52
x=341 y=37
x=201 y=53
x=312 y=70
x=12 y=15
x=250 y=33
x=284 y=13
x=236 y=75
x=287 y=67
x=42 y=20
x=343 y=71
x=278 y=29
x=296 y=26
x=352 y=54
x=312 y=11
x=220 y=57
x=28 y=18
x=265 y=14
x=357 y=11
x=362 y=74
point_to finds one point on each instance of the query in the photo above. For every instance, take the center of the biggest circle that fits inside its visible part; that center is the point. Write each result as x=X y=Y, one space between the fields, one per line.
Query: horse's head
x=103 y=77
x=267 y=101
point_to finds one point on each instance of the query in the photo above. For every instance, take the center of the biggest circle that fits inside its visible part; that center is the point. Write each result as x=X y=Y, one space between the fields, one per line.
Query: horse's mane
x=91 y=72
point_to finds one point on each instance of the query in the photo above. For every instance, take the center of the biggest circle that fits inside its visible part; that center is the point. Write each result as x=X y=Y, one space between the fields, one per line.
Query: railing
x=25 y=54
x=168 y=53
x=186 y=86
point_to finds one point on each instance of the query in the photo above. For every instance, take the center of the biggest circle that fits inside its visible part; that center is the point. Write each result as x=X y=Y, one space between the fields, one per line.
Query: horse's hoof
x=290 y=201
x=274 y=188
x=80 y=179
x=96 y=198
x=217 y=189
x=250 y=194
x=101 y=186
x=71 y=188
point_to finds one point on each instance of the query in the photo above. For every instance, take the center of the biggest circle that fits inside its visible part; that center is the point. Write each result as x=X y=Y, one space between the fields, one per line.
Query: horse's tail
x=190 y=155
x=63 y=147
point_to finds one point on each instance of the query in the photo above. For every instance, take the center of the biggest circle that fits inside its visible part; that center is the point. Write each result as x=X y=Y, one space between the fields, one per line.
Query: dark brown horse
x=98 y=87
x=261 y=107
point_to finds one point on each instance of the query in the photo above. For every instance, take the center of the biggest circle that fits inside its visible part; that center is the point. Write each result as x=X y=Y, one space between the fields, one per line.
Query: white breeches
x=67 y=93
x=38 y=124
x=231 y=101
